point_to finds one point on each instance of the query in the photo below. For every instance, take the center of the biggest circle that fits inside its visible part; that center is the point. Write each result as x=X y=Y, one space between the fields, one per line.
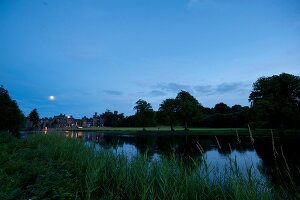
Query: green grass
x=192 y=131
x=52 y=166
x=158 y=128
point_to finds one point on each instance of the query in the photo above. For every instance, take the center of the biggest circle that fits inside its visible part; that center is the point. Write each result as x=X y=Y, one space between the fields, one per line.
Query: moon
x=51 y=97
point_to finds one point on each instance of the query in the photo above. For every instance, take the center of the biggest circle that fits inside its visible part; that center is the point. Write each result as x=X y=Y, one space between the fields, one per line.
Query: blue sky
x=94 y=55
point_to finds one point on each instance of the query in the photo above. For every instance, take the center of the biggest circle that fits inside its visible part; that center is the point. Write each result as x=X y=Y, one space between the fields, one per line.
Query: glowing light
x=51 y=97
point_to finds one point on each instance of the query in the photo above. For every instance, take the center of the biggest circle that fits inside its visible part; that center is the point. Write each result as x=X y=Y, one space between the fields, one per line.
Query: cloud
x=224 y=88
x=232 y=87
x=173 y=87
x=113 y=92
x=157 y=93
x=205 y=89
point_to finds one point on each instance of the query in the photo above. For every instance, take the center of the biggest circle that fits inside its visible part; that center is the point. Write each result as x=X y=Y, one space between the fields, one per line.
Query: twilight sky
x=94 y=55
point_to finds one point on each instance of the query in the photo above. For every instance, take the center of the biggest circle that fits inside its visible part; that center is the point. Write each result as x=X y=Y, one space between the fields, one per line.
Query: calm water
x=257 y=155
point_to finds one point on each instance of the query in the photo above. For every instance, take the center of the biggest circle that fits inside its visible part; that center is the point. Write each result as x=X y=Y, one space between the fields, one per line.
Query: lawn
x=192 y=131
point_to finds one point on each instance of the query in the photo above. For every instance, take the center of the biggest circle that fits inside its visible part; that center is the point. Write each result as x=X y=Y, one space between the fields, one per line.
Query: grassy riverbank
x=53 y=166
x=192 y=131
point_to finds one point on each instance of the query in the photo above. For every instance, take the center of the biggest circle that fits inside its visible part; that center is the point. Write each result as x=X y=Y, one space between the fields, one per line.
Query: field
x=52 y=166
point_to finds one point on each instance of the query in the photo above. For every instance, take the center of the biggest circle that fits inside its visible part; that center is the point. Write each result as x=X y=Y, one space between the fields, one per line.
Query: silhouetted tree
x=187 y=107
x=144 y=112
x=34 y=118
x=236 y=108
x=168 y=108
x=112 y=119
x=236 y=116
x=129 y=121
x=207 y=111
x=11 y=117
x=221 y=108
x=275 y=100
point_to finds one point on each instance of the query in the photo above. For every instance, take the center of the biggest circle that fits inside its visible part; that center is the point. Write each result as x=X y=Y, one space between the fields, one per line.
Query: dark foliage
x=34 y=118
x=188 y=108
x=221 y=108
x=11 y=117
x=113 y=119
x=168 y=110
x=145 y=116
x=275 y=101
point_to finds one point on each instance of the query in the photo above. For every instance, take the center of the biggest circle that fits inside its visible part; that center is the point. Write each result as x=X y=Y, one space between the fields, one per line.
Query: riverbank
x=164 y=130
x=53 y=166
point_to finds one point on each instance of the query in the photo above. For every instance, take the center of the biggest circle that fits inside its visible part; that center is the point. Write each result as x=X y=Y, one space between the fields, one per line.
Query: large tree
x=11 y=117
x=34 y=118
x=187 y=107
x=237 y=108
x=221 y=108
x=168 y=109
x=144 y=112
x=275 y=100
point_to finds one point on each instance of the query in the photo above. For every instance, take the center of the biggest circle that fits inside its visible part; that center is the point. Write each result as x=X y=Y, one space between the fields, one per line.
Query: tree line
x=274 y=103
x=183 y=110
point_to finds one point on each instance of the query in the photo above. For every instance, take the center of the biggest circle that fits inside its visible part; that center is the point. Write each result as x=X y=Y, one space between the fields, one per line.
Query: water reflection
x=283 y=160
x=258 y=157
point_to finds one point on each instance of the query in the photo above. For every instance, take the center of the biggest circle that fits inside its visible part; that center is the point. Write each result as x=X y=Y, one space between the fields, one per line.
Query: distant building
x=87 y=122
x=45 y=122
x=64 y=121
